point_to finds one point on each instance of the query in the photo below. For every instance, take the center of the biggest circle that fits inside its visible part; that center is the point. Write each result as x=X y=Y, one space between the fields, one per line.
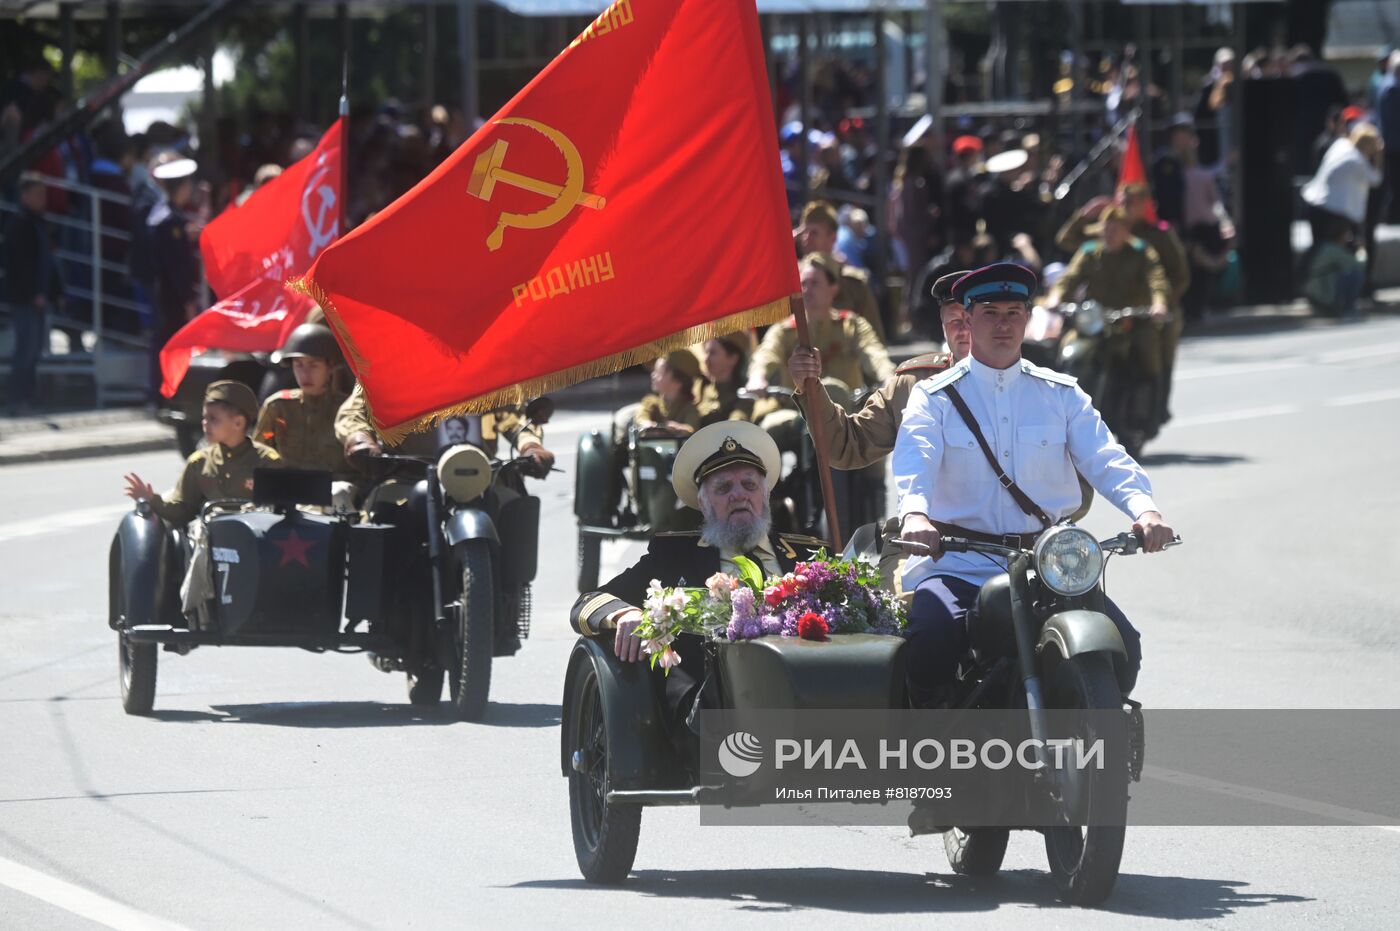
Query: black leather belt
x=1022 y=541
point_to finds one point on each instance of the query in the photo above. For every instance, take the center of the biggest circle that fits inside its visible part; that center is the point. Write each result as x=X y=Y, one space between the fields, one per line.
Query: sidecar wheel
x=1084 y=860
x=425 y=688
x=470 y=682
x=976 y=851
x=137 y=665
x=590 y=557
x=605 y=834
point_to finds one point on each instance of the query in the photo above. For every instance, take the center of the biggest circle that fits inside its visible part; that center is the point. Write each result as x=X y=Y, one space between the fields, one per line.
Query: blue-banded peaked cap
x=1004 y=281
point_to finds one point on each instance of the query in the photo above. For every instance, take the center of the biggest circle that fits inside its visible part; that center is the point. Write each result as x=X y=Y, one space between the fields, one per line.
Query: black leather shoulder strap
x=1023 y=500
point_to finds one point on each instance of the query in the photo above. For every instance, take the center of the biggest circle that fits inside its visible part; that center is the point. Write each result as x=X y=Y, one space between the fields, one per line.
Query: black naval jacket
x=673 y=559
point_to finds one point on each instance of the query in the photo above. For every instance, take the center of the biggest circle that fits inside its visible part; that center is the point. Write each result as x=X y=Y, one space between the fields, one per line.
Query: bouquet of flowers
x=818 y=598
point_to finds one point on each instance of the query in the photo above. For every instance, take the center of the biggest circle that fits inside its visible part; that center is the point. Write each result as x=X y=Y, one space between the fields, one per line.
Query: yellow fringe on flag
x=518 y=394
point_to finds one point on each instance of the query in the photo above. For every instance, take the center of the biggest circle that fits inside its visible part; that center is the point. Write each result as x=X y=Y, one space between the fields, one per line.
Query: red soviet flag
x=249 y=253
x=283 y=227
x=256 y=319
x=1131 y=171
x=627 y=201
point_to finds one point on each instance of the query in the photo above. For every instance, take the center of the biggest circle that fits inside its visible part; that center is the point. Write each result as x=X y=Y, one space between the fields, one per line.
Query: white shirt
x=1041 y=425
x=1343 y=181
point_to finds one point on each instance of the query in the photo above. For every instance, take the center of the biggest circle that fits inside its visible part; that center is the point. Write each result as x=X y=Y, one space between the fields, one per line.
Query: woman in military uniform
x=671 y=405
x=717 y=390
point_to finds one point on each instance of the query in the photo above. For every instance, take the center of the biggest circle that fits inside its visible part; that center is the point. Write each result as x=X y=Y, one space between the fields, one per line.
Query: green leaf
x=749 y=572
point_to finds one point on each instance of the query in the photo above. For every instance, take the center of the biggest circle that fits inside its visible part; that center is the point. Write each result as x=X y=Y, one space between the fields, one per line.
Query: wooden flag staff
x=817 y=429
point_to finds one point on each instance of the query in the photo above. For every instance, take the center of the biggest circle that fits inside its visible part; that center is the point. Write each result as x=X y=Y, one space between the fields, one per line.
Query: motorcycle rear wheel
x=1084 y=860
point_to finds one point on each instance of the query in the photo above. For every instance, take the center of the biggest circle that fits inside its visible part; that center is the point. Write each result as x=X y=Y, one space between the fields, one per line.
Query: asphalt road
x=280 y=789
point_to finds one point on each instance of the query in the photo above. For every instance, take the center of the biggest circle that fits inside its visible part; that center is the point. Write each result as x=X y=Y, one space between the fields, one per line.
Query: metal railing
x=80 y=266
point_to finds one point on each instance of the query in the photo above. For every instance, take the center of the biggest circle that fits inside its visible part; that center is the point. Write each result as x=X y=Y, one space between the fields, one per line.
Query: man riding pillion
x=1040 y=428
x=725 y=471
x=857 y=440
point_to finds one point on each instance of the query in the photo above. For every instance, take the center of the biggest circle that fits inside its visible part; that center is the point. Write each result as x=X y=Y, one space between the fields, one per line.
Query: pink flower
x=669 y=658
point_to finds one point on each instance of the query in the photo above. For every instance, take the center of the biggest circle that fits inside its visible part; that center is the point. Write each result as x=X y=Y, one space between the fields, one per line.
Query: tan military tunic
x=655 y=409
x=854 y=441
x=849 y=348
x=854 y=295
x=213 y=473
x=1131 y=277
x=1160 y=236
x=353 y=418
x=302 y=430
x=718 y=402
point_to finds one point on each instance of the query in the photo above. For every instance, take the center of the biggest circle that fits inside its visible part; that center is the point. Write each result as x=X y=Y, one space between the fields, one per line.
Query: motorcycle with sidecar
x=1039 y=640
x=437 y=566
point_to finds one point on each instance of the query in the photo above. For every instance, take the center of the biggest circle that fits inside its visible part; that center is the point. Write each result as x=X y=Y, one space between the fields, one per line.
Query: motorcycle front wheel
x=1084 y=860
x=469 y=682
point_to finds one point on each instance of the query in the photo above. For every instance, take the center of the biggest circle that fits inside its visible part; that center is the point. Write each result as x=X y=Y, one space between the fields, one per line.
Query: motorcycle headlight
x=1088 y=318
x=1068 y=560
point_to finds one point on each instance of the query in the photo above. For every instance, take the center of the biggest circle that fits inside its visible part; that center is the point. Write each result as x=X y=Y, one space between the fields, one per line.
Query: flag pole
x=817 y=428
x=344 y=138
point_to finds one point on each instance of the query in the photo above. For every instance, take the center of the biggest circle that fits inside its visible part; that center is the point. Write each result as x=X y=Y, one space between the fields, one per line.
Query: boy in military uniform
x=300 y=422
x=671 y=405
x=223 y=469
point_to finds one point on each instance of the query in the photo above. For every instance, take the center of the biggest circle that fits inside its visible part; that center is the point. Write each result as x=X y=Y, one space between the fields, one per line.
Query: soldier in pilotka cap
x=817 y=236
x=224 y=468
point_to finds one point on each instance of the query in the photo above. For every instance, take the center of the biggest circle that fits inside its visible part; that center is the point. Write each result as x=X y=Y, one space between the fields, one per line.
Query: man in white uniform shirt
x=1041 y=427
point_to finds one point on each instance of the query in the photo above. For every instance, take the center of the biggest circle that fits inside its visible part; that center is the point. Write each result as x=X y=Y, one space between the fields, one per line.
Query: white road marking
x=1231 y=416
x=1334 y=357
x=1369 y=398
x=64 y=520
x=1265 y=796
x=79 y=901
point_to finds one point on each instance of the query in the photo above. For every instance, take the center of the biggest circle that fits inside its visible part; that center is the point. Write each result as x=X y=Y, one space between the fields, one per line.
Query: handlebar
x=1124 y=544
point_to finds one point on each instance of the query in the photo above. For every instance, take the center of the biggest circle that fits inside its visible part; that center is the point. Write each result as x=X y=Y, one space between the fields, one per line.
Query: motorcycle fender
x=1075 y=632
x=470 y=524
x=136 y=553
x=639 y=754
x=593 y=478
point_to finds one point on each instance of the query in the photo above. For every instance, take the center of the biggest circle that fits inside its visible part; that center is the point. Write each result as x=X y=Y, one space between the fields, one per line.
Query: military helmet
x=309 y=339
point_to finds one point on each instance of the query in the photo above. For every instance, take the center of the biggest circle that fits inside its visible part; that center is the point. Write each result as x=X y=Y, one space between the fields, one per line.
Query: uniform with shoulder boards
x=689 y=558
x=220 y=470
x=300 y=422
x=989 y=451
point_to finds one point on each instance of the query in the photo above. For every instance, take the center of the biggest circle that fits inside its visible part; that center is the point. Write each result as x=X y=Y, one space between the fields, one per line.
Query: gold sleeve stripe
x=592 y=605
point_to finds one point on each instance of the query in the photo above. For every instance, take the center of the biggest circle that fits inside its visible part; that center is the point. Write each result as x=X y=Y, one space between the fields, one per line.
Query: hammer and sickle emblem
x=322 y=223
x=487 y=173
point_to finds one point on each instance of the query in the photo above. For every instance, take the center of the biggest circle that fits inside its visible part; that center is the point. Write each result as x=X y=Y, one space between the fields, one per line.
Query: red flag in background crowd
x=627 y=201
x=252 y=250
x=1131 y=171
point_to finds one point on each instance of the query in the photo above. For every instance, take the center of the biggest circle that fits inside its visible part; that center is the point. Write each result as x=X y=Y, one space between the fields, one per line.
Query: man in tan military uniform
x=1134 y=198
x=817 y=236
x=851 y=350
x=1120 y=270
x=300 y=422
x=223 y=469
